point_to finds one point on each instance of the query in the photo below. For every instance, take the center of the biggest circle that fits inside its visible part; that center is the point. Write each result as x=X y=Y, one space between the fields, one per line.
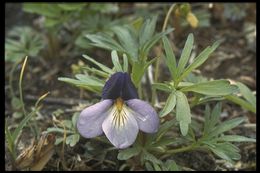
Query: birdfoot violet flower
x=120 y=114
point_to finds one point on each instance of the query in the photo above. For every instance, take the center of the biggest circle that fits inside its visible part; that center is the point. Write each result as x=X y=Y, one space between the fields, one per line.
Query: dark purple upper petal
x=113 y=86
x=128 y=90
x=119 y=85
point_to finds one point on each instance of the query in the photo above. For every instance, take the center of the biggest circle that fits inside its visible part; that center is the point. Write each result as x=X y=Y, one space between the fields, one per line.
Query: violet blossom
x=119 y=114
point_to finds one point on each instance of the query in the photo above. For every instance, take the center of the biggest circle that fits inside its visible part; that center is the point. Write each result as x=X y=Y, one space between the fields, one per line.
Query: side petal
x=121 y=128
x=146 y=117
x=90 y=120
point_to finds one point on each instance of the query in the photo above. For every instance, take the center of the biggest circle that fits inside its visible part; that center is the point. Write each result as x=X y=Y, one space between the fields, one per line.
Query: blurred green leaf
x=83 y=84
x=171 y=165
x=220 y=153
x=21 y=125
x=156 y=167
x=241 y=102
x=103 y=67
x=194 y=78
x=225 y=126
x=185 y=54
x=226 y=151
x=127 y=40
x=17 y=115
x=162 y=87
x=247 y=93
x=169 y=105
x=164 y=128
x=96 y=71
x=150 y=157
x=170 y=57
x=10 y=140
x=147 y=46
x=104 y=7
x=50 y=22
x=68 y=124
x=128 y=153
x=211 y=119
x=148 y=166
x=72 y=140
x=235 y=138
x=138 y=23
x=59 y=130
x=115 y=61
x=125 y=67
x=16 y=103
x=183 y=115
x=45 y=9
x=23 y=41
x=74 y=119
x=71 y=6
x=200 y=59
x=105 y=41
x=137 y=72
x=147 y=30
x=58 y=140
x=90 y=80
x=215 y=87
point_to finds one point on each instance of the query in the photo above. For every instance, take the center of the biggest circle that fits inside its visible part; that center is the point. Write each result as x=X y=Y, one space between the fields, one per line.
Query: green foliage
x=84 y=81
x=169 y=105
x=213 y=137
x=72 y=135
x=21 y=42
x=215 y=88
x=158 y=165
x=54 y=13
x=249 y=100
x=183 y=115
x=177 y=88
x=12 y=137
x=128 y=153
x=170 y=59
x=134 y=42
x=199 y=60
x=76 y=19
x=115 y=61
x=185 y=54
x=92 y=83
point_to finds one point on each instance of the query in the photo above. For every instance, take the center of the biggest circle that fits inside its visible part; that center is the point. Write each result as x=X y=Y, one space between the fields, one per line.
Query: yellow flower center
x=119 y=113
x=119 y=104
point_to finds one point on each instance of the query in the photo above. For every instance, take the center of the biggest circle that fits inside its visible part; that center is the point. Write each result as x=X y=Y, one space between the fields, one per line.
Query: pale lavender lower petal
x=90 y=120
x=120 y=132
x=146 y=116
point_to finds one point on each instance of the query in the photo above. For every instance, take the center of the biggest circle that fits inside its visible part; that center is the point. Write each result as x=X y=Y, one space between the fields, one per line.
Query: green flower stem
x=156 y=73
x=140 y=92
x=141 y=138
